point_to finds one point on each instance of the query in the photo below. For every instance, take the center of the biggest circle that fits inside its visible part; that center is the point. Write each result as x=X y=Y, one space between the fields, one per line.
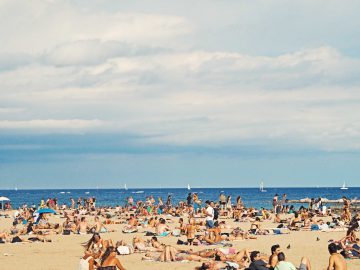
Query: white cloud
x=137 y=72
x=51 y=125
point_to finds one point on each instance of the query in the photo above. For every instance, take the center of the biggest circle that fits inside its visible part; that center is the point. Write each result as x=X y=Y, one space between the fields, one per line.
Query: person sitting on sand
x=285 y=265
x=156 y=244
x=182 y=226
x=96 y=246
x=336 y=261
x=99 y=227
x=162 y=229
x=190 y=231
x=133 y=222
x=83 y=226
x=256 y=229
x=273 y=260
x=257 y=262
x=109 y=260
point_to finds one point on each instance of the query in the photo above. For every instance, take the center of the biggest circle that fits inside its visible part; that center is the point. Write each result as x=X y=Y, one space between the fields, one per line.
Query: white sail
x=125 y=187
x=189 y=188
x=262 y=187
x=344 y=186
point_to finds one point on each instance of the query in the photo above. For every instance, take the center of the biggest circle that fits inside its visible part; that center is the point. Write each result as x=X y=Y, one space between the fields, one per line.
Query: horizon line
x=132 y=188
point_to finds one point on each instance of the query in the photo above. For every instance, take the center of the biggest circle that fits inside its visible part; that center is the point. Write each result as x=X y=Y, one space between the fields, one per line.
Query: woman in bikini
x=109 y=260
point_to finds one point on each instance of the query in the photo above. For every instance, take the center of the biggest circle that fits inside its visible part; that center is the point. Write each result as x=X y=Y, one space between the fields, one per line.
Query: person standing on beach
x=209 y=212
x=222 y=201
x=346 y=209
x=189 y=199
x=283 y=202
x=275 y=202
x=336 y=261
x=72 y=201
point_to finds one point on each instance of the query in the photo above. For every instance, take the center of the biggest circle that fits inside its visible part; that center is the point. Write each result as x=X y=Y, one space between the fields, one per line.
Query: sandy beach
x=64 y=252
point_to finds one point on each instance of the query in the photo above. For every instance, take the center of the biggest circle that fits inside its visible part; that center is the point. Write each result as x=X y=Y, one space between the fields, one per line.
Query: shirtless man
x=83 y=226
x=162 y=229
x=98 y=226
x=336 y=261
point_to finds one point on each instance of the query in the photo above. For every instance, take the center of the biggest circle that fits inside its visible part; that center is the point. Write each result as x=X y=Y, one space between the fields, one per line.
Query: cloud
x=90 y=52
x=51 y=125
x=308 y=97
x=150 y=73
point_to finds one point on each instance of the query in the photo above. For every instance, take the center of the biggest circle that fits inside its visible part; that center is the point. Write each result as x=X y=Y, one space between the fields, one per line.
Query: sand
x=64 y=252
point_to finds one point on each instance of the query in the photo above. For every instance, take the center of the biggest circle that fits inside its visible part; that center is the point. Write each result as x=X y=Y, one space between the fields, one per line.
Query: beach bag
x=123 y=250
x=66 y=232
x=315 y=227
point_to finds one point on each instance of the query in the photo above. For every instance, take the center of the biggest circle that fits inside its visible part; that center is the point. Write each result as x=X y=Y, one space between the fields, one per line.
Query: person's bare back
x=337 y=262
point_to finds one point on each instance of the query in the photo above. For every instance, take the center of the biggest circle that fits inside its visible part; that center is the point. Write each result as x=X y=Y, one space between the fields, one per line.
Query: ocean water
x=112 y=197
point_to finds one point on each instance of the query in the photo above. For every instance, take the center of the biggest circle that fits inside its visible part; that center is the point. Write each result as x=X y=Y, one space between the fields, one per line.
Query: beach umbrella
x=2 y=200
x=46 y=211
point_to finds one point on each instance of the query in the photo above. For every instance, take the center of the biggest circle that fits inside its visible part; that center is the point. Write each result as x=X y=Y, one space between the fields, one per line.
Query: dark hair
x=333 y=248
x=281 y=256
x=154 y=238
x=253 y=254
x=274 y=247
x=92 y=240
x=106 y=254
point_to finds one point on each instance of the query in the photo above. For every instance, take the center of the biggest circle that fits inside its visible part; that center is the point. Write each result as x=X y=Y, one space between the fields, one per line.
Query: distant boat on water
x=189 y=188
x=262 y=187
x=16 y=189
x=344 y=186
x=125 y=187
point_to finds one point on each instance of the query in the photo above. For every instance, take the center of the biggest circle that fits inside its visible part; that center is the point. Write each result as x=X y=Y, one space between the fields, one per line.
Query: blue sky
x=164 y=93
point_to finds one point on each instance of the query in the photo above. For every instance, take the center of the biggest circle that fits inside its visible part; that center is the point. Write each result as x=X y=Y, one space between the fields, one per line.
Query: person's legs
x=305 y=264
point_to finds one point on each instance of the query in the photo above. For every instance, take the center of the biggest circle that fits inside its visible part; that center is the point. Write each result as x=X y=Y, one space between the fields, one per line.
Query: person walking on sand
x=336 y=261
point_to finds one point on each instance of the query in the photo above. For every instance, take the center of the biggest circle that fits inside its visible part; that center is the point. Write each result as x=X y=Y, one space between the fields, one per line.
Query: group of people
x=199 y=224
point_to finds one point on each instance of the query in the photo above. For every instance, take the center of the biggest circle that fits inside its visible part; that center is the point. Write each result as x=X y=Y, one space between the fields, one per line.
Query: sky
x=162 y=93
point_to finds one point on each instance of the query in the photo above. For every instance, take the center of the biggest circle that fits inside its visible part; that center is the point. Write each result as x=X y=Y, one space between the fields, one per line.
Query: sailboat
x=344 y=186
x=189 y=188
x=262 y=187
x=16 y=189
x=125 y=187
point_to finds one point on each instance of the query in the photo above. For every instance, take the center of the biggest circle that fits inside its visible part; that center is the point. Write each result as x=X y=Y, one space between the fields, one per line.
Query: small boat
x=62 y=192
x=344 y=186
x=138 y=192
x=125 y=187
x=262 y=187
x=16 y=189
x=87 y=192
x=189 y=188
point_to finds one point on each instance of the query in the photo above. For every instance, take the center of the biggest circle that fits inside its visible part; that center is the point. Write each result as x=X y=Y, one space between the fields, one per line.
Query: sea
x=251 y=197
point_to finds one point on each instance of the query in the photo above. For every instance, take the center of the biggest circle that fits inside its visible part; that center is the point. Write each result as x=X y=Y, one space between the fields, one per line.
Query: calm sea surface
x=112 y=197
